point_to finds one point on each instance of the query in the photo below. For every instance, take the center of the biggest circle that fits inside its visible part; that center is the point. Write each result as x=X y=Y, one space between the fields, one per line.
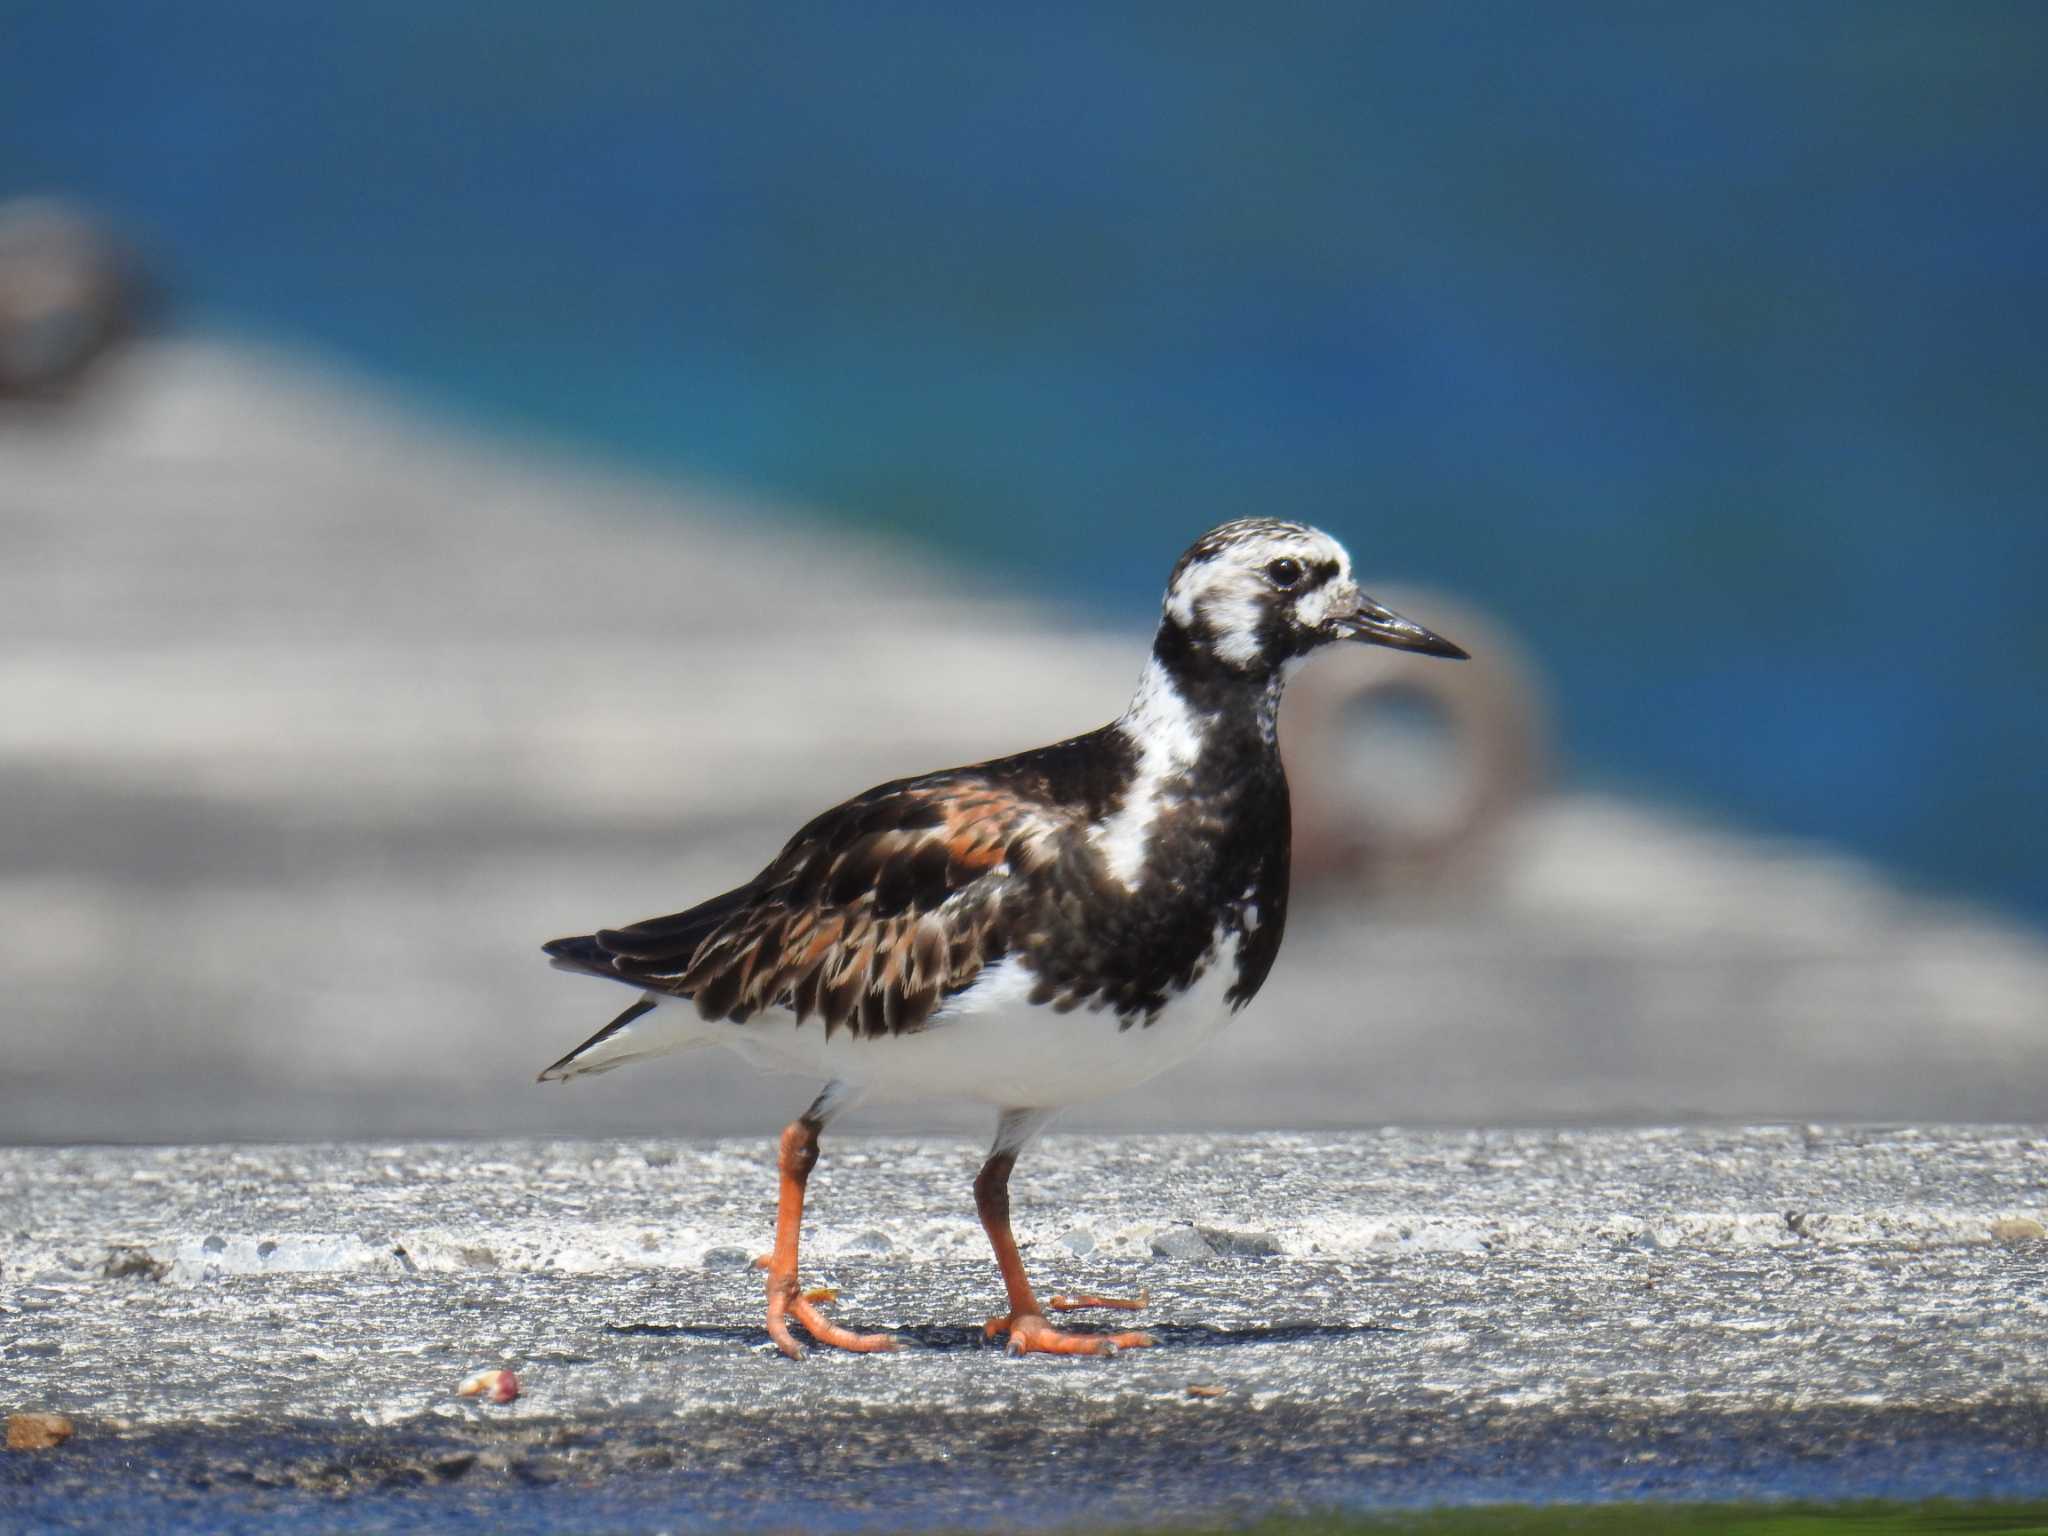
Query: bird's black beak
x=1382 y=626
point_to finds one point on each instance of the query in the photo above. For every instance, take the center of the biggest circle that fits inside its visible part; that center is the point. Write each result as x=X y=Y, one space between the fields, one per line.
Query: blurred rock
x=67 y=295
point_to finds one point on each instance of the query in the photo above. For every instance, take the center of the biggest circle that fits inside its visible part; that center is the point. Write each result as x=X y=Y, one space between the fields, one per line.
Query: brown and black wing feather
x=884 y=907
x=868 y=919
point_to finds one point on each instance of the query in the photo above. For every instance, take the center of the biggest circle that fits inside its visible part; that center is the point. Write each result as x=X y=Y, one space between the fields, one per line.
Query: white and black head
x=1251 y=596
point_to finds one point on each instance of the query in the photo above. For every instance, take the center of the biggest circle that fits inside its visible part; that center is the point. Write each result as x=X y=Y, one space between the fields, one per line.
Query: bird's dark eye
x=1284 y=573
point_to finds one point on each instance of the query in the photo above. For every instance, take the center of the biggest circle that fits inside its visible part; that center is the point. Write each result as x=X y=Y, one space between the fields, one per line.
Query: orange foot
x=786 y=1301
x=1031 y=1334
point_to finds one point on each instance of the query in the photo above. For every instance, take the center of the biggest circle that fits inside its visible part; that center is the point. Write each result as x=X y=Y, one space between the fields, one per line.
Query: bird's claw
x=1063 y=1303
x=786 y=1301
x=1031 y=1334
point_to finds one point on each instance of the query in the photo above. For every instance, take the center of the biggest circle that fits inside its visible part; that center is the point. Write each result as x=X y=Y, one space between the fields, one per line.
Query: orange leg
x=1025 y=1322
x=799 y=1154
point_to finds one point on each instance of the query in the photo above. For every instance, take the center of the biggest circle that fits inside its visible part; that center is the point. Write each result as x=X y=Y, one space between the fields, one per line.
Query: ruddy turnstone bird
x=1028 y=932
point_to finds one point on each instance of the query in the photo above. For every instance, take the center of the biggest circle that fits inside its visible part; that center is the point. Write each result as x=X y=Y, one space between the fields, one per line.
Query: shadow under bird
x=1029 y=932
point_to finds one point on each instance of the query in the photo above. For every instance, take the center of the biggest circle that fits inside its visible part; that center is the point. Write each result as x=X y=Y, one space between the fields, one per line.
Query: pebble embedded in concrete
x=1181 y=1242
x=37 y=1431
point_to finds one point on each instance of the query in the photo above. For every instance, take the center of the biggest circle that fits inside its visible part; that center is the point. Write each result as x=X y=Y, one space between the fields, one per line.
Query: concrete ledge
x=358 y=1283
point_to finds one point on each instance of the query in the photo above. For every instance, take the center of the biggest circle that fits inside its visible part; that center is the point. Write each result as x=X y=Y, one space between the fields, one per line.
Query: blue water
x=1158 y=1465
x=1708 y=346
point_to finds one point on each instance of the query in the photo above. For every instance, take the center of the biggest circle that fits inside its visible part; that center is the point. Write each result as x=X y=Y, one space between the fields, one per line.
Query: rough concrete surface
x=1383 y=1318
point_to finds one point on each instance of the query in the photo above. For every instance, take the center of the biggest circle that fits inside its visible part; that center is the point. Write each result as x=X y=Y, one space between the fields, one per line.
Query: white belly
x=992 y=1046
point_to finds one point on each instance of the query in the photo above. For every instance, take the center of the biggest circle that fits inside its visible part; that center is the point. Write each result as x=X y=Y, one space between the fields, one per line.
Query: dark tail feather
x=581 y=953
x=654 y=952
x=561 y=1069
x=653 y=955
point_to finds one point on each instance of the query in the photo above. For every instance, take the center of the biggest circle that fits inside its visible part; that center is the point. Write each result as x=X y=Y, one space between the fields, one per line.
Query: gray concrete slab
x=315 y=719
x=1385 y=1317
